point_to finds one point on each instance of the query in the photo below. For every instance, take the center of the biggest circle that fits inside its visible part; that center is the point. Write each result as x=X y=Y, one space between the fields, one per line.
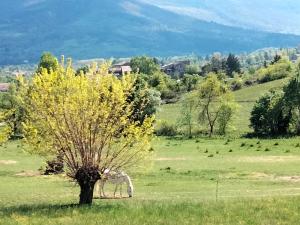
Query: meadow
x=229 y=180
x=199 y=181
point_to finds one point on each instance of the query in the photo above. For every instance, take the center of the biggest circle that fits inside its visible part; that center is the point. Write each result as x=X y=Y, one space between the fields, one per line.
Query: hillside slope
x=245 y=97
x=120 y=28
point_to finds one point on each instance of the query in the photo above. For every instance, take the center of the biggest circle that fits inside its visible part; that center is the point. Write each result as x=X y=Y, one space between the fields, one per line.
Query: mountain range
x=122 y=28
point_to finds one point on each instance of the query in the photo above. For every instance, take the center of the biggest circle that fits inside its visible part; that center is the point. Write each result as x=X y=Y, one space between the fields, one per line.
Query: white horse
x=116 y=178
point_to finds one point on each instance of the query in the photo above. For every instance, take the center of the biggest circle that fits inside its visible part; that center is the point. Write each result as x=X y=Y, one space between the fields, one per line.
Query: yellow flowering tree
x=87 y=118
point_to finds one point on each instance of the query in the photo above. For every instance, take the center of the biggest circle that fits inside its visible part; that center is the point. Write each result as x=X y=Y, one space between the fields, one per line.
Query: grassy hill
x=245 y=97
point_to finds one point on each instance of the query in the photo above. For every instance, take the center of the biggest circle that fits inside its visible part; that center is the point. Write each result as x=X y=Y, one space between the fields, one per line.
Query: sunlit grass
x=255 y=186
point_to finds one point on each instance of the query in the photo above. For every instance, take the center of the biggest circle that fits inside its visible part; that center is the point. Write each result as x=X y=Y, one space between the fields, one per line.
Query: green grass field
x=191 y=181
x=245 y=97
x=258 y=183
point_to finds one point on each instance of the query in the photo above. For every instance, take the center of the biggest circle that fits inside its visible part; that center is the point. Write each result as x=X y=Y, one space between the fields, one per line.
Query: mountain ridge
x=93 y=29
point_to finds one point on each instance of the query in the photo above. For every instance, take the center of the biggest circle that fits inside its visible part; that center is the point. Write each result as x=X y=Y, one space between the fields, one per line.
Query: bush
x=279 y=70
x=166 y=129
x=268 y=116
x=236 y=84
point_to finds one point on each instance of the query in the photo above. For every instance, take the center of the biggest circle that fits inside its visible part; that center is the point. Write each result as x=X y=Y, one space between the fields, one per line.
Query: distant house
x=121 y=69
x=4 y=87
x=176 y=68
x=294 y=58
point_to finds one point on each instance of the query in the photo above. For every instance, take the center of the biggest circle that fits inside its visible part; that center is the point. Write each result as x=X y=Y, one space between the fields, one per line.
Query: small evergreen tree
x=232 y=65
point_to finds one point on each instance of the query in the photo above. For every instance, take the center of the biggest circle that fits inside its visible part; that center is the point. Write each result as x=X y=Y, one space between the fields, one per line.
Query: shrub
x=279 y=70
x=236 y=84
x=166 y=129
x=268 y=116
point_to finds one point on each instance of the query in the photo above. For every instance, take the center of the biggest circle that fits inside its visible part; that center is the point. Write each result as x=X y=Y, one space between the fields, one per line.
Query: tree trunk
x=211 y=130
x=87 y=178
x=86 y=193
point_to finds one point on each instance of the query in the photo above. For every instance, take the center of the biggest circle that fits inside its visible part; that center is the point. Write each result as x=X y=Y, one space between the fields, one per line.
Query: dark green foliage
x=145 y=101
x=276 y=59
x=55 y=166
x=167 y=86
x=217 y=64
x=48 y=61
x=84 y=70
x=268 y=116
x=144 y=65
x=232 y=65
x=190 y=81
x=292 y=100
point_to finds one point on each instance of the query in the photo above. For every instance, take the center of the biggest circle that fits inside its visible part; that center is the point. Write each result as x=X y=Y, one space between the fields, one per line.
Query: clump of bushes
x=166 y=129
x=278 y=70
x=55 y=166
x=268 y=116
x=236 y=84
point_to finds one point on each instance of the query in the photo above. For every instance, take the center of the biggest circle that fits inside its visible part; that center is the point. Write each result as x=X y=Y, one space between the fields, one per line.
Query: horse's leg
x=116 y=190
x=121 y=190
x=102 y=189
x=97 y=187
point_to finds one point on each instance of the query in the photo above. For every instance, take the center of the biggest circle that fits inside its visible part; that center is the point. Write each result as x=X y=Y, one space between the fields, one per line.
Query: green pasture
x=198 y=181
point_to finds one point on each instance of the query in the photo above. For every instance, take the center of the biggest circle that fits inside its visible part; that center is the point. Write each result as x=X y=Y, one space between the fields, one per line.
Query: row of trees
x=219 y=64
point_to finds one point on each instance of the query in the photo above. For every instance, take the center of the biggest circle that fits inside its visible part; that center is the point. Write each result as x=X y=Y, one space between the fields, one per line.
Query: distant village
x=173 y=66
x=118 y=69
x=172 y=69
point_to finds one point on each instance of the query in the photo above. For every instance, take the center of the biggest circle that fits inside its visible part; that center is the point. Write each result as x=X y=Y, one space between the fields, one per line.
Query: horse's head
x=130 y=191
